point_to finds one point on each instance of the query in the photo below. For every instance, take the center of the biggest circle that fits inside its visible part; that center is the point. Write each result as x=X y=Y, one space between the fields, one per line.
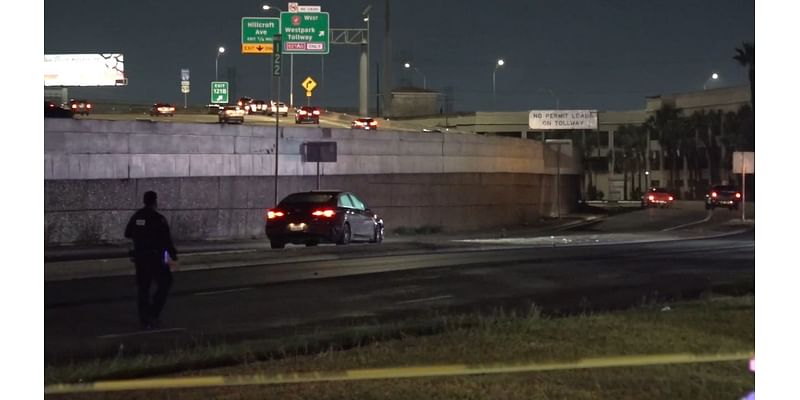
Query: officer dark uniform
x=151 y=238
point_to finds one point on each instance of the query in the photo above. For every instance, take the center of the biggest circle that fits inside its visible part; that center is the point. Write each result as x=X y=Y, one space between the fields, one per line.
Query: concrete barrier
x=215 y=181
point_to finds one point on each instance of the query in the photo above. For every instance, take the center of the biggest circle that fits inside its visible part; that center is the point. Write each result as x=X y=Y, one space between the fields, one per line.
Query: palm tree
x=746 y=56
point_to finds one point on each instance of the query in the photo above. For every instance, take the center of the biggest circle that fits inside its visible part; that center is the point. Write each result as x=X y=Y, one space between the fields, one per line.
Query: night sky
x=603 y=54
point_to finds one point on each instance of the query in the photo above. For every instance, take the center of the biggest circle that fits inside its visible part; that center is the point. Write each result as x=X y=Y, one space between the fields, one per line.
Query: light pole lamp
x=714 y=77
x=424 y=80
x=497 y=66
x=220 y=50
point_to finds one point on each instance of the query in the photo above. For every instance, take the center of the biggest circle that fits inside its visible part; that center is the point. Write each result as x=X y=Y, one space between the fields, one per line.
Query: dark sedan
x=81 y=107
x=160 y=109
x=307 y=114
x=322 y=216
x=723 y=196
x=367 y=124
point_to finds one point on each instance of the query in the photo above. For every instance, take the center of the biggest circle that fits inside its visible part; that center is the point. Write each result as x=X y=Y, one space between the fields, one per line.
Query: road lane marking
x=706 y=219
x=425 y=299
x=213 y=292
x=395 y=372
x=140 y=333
x=209 y=253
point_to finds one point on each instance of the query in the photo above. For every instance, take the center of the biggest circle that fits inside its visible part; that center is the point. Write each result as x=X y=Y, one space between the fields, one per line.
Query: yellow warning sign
x=309 y=84
x=256 y=48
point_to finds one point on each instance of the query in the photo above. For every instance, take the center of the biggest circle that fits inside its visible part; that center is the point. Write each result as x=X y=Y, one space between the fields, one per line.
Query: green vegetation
x=715 y=325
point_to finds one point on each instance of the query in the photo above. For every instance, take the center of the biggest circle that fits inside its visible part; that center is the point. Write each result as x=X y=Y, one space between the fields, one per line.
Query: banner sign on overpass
x=257 y=34
x=548 y=120
x=305 y=32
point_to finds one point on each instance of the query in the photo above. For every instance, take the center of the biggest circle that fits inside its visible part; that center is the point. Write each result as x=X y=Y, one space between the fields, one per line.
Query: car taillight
x=316 y=112
x=713 y=194
x=88 y=106
x=302 y=112
x=272 y=214
x=373 y=123
x=240 y=103
x=652 y=197
x=324 y=213
x=670 y=198
x=74 y=106
x=738 y=195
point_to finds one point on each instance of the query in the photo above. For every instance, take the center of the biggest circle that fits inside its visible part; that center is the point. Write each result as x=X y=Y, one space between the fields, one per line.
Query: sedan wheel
x=345 y=239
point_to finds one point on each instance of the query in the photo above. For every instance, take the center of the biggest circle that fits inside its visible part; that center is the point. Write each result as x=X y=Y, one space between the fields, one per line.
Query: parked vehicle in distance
x=367 y=124
x=658 y=197
x=164 y=109
x=231 y=114
x=214 y=108
x=81 y=107
x=53 y=110
x=278 y=107
x=322 y=216
x=307 y=114
x=258 y=107
x=244 y=103
x=727 y=196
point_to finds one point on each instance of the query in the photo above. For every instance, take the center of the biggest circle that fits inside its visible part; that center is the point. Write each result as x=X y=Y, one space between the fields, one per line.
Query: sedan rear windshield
x=298 y=198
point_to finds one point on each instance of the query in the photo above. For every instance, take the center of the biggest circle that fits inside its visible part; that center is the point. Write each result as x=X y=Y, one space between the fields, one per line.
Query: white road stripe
x=139 y=333
x=706 y=219
x=223 y=291
x=425 y=299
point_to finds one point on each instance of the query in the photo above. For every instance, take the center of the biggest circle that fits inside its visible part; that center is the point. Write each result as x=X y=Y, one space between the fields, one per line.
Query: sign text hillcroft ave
x=219 y=92
x=257 y=34
x=305 y=32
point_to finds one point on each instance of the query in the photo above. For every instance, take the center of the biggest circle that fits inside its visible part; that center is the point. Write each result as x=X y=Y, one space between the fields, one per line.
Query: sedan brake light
x=272 y=214
x=713 y=194
x=738 y=195
x=88 y=106
x=652 y=197
x=302 y=112
x=74 y=106
x=316 y=112
x=373 y=123
x=324 y=213
x=670 y=198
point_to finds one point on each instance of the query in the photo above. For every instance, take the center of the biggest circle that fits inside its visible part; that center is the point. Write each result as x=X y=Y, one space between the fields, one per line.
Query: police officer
x=151 y=245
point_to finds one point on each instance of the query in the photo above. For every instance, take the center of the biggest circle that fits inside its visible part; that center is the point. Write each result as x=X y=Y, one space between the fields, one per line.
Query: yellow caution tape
x=390 y=373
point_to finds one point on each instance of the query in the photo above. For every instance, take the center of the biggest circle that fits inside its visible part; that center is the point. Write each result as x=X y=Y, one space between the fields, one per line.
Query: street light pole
x=220 y=50
x=424 y=80
x=497 y=66
x=267 y=7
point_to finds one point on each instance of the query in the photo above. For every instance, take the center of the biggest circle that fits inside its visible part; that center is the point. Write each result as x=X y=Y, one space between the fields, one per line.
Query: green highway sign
x=219 y=92
x=306 y=32
x=257 y=34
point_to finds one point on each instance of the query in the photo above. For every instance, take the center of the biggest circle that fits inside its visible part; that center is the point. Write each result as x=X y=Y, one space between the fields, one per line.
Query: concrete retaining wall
x=214 y=182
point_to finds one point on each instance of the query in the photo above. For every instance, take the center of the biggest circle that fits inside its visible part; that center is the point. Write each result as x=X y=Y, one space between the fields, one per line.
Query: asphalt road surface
x=87 y=317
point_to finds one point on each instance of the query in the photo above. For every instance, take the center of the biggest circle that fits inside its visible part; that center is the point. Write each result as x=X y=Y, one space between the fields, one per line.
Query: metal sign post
x=558 y=142
x=744 y=161
x=276 y=71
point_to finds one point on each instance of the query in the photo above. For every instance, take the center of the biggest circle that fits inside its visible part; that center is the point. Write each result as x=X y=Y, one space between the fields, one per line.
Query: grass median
x=709 y=326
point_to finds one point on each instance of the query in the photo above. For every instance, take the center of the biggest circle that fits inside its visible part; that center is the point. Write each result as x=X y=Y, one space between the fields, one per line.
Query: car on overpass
x=81 y=107
x=322 y=216
x=367 y=124
x=244 y=103
x=307 y=114
x=657 y=197
x=159 y=109
x=231 y=114
x=258 y=107
x=53 y=110
x=727 y=196
x=278 y=107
